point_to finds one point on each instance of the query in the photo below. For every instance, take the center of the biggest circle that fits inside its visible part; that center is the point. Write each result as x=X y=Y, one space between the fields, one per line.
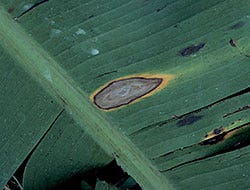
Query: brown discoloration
x=10 y=10
x=125 y=91
x=221 y=134
x=215 y=136
x=191 y=49
x=237 y=25
x=213 y=140
x=214 y=133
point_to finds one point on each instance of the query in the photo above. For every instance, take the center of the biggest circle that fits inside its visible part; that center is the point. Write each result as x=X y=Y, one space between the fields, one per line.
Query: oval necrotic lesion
x=122 y=92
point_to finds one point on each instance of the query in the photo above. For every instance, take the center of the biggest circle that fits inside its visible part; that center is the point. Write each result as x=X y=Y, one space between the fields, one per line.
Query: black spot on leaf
x=217 y=131
x=191 y=49
x=232 y=43
x=188 y=120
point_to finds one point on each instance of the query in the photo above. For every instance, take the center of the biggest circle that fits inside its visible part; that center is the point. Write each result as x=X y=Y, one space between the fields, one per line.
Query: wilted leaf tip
x=127 y=90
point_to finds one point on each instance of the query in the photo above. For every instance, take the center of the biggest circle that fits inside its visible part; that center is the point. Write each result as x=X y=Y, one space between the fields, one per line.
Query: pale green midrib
x=43 y=68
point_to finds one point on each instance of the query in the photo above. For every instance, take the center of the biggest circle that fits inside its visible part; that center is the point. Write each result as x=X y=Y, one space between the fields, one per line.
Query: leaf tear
x=29 y=8
x=238 y=110
x=164 y=122
x=107 y=73
x=237 y=139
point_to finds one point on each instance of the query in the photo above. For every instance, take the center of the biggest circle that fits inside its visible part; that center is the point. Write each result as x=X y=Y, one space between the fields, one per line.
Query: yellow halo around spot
x=165 y=80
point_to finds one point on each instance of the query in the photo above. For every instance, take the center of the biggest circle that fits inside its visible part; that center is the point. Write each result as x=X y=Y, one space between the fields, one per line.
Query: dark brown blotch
x=11 y=9
x=122 y=92
x=189 y=120
x=187 y=51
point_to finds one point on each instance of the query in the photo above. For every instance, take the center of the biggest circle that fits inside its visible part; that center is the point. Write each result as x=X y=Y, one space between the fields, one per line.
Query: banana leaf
x=162 y=86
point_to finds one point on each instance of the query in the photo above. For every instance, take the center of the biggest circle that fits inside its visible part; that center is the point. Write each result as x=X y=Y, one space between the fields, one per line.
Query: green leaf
x=65 y=152
x=199 y=50
x=26 y=114
x=102 y=185
x=224 y=171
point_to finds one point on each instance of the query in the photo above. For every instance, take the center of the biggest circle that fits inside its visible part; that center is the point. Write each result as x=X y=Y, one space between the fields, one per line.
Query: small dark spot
x=188 y=120
x=51 y=101
x=217 y=131
x=237 y=25
x=191 y=49
x=10 y=10
x=232 y=42
x=91 y=16
x=175 y=26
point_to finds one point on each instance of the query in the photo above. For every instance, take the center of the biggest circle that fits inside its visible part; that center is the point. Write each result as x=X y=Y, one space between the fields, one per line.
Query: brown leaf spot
x=124 y=91
x=213 y=140
x=214 y=136
x=11 y=9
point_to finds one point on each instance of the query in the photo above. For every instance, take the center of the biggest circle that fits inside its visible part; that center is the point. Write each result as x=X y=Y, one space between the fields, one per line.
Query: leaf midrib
x=55 y=80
